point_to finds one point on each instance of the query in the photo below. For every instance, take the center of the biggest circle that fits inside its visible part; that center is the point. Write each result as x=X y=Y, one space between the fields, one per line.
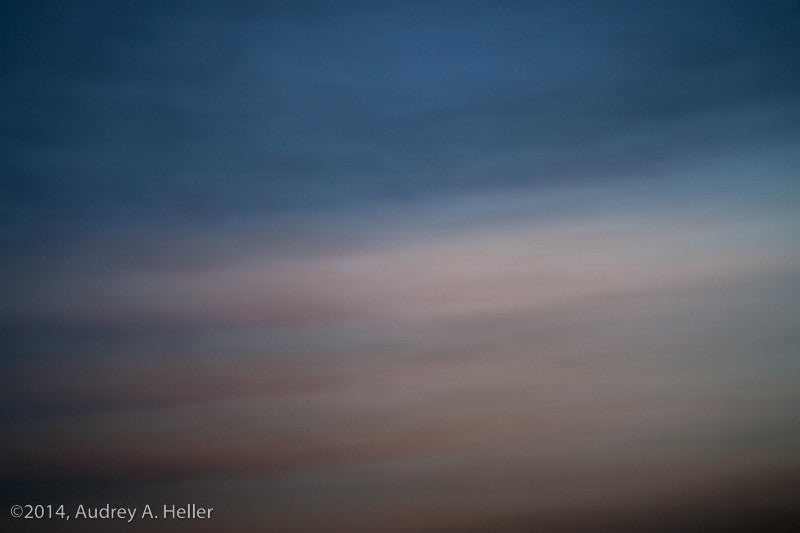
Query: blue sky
x=115 y=112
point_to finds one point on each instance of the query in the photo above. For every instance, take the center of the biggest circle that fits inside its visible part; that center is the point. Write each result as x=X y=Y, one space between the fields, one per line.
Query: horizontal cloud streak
x=513 y=266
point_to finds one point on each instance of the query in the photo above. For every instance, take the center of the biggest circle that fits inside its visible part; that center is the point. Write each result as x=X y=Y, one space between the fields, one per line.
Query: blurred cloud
x=507 y=266
x=403 y=267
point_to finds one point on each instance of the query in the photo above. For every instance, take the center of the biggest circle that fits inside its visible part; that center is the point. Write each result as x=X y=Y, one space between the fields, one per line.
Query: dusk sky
x=402 y=266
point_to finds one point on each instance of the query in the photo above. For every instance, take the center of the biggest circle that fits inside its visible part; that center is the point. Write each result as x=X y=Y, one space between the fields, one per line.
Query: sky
x=402 y=266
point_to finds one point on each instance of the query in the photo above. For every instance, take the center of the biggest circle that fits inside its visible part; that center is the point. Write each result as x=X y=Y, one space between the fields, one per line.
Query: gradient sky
x=402 y=266
x=120 y=113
